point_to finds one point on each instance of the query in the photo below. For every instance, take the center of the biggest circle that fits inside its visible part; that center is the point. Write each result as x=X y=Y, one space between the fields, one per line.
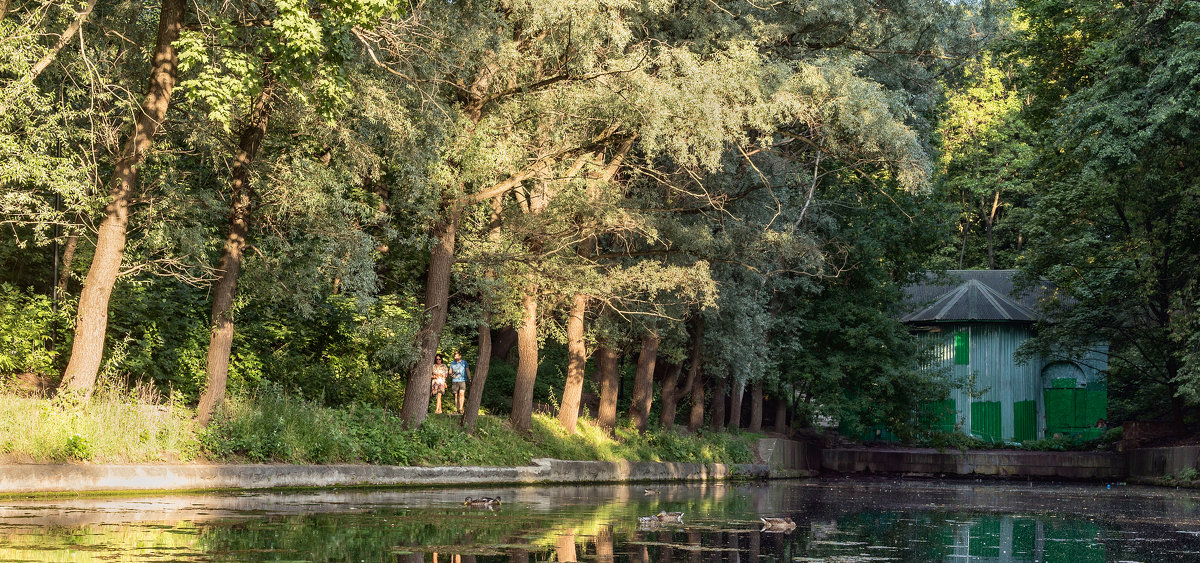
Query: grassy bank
x=275 y=427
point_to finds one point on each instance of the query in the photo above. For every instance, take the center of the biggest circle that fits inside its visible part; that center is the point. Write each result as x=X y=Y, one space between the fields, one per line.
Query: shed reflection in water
x=838 y=520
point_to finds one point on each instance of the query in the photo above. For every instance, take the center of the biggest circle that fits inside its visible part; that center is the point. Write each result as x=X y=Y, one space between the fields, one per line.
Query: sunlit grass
x=274 y=426
x=132 y=426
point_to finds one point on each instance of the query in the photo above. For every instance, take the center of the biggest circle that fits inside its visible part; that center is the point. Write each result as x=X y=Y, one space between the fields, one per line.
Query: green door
x=1072 y=409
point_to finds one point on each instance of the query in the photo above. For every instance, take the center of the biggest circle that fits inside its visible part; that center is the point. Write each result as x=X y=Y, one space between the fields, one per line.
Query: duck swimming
x=482 y=501
x=784 y=524
x=665 y=516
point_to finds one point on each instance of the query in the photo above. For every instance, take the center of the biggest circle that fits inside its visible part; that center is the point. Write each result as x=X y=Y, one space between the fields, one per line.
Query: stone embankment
x=105 y=478
x=1145 y=465
x=928 y=462
x=778 y=458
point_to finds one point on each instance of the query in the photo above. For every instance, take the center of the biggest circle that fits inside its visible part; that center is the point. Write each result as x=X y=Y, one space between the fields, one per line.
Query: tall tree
x=229 y=268
x=292 y=48
x=1112 y=90
x=985 y=159
x=87 y=348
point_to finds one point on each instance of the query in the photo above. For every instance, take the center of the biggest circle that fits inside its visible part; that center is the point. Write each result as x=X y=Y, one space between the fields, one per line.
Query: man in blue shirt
x=459 y=372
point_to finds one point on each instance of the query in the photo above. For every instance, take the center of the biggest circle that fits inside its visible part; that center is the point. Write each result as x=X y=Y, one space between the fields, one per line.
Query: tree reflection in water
x=836 y=520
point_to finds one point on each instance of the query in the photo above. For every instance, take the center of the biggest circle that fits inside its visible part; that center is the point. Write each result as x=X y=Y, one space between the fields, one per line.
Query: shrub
x=27 y=321
x=77 y=448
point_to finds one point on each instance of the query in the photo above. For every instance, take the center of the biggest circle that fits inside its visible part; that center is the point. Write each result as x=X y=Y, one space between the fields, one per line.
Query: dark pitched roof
x=972 y=295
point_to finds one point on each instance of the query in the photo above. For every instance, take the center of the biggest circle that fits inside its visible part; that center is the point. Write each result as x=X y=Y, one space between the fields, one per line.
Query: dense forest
x=703 y=210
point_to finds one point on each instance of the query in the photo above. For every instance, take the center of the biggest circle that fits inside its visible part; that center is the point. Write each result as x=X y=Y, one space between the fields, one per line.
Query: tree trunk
x=738 y=388
x=484 y=361
x=610 y=383
x=991 y=220
x=230 y=265
x=437 y=292
x=68 y=256
x=781 y=415
x=962 y=253
x=527 y=363
x=696 y=417
x=482 y=365
x=718 y=405
x=506 y=338
x=643 y=382
x=672 y=392
x=87 y=349
x=670 y=397
x=568 y=411
x=3 y=9
x=756 y=406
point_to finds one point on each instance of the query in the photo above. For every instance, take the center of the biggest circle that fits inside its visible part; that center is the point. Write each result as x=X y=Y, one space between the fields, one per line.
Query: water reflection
x=837 y=520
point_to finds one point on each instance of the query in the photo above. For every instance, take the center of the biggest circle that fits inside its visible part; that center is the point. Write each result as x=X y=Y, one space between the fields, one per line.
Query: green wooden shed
x=975 y=321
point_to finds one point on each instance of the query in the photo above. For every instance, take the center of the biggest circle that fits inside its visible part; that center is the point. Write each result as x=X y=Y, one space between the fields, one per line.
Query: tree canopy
x=704 y=200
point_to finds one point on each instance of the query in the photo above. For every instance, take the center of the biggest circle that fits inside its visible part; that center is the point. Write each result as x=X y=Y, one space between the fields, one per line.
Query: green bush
x=77 y=448
x=27 y=322
x=1061 y=444
x=957 y=440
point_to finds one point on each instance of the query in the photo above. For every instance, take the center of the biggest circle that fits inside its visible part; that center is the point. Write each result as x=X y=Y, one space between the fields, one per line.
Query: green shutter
x=1024 y=420
x=985 y=420
x=962 y=348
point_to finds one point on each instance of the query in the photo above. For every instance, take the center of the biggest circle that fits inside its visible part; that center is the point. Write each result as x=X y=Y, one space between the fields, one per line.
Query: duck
x=778 y=524
x=646 y=522
x=652 y=491
x=664 y=516
x=482 y=501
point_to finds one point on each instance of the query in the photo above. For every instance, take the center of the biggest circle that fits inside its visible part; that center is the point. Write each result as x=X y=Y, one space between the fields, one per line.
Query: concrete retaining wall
x=1157 y=462
x=96 y=478
x=779 y=459
x=1004 y=463
x=790 y=458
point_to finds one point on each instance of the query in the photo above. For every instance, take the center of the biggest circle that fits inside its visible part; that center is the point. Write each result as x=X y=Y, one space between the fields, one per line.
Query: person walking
x=440 y=371
x=459 y=372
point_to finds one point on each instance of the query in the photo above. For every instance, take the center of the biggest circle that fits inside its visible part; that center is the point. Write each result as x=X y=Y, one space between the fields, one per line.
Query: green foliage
x=1062 y=443
x=273 y=426
x=773 y=158
x=943 y=440
x=77 y=448
x=27 y=322
x=956 y=440
x=986 y=157
x=1112 y=225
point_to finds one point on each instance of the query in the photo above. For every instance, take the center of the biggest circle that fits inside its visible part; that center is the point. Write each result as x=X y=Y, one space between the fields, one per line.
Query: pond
x=836 y=520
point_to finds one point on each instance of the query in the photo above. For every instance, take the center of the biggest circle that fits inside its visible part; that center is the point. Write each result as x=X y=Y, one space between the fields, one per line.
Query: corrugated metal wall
x=1004 y=396
x=1006 y=400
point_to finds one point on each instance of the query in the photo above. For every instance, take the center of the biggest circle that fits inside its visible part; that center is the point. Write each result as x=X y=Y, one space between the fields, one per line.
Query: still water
x=837 y=520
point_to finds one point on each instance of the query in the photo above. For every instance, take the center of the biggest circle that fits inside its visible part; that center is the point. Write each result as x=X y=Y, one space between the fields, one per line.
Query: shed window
x=962 y=348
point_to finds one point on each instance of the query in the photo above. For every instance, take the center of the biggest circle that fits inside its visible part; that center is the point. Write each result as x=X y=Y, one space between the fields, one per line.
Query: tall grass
x=130 y=426
x=274 y=426
x=271 y=426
